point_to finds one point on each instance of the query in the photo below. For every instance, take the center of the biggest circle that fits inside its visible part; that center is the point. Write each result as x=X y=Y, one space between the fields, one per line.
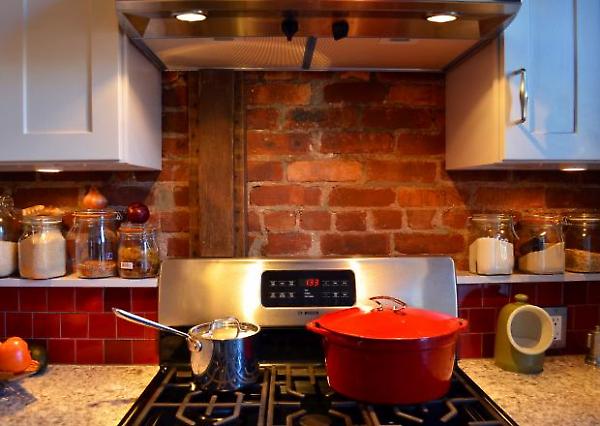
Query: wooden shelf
x=73 y=281
x=463 y=277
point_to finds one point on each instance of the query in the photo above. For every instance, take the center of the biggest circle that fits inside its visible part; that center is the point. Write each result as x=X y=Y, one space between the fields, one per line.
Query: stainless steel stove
x=282 y=295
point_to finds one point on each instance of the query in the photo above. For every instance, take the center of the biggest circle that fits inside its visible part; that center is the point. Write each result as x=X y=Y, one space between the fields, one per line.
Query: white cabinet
x=531 y=98
x=74 y=93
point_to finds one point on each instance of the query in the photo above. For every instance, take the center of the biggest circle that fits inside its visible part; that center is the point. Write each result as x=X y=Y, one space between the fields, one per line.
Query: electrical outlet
x=559 y=320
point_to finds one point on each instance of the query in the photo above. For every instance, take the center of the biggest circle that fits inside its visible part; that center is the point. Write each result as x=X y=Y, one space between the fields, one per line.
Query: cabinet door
x=553 y=42
x=58 y=80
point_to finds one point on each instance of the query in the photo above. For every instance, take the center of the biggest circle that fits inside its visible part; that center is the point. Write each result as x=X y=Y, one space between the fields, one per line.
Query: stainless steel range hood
x=249 y=34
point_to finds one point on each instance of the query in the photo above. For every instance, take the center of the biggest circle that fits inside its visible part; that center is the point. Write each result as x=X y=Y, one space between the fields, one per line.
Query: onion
x=94 y=199
x=138 y=213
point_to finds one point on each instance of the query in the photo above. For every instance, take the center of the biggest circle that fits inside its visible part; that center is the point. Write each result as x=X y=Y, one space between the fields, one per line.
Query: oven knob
x=335 y=294
x=273 y=283
x=272 y=295
x=292 y=294
x=282 y=295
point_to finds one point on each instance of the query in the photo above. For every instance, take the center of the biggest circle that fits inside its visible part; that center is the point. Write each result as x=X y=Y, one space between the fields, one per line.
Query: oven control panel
x=324 y=287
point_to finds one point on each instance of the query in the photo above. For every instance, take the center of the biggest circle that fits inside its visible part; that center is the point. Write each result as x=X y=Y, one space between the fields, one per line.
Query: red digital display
x=313 y=282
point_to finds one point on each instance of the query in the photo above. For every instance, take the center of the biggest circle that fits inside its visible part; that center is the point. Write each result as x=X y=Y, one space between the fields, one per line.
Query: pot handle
x=398 y=305
x=462 y=324
x=315 y=327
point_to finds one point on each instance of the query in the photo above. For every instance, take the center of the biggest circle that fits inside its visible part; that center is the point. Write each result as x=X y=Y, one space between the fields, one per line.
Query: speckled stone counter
x=566 y=393
x=74 y=395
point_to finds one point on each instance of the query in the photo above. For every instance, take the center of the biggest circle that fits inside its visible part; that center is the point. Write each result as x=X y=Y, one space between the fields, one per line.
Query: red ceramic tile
x=46 y=325
x=89 y=351
x=488 y=342
x=550 y=294
x=469 y=295
x=150 y=333
x=482 y=320
x=39 y=342
x=145 y=351
x=117 y=351
x=126 y=329
x=74 y=325
x=495 y=295
x=2 y=327
x=61 y=351
x=117 y=298
x=576 y=342
x=19 y=324
x=594 y=293
x=586 y=317
x=103 y=325
x=469 y=345
x=144 y=299
x=33 y=299
x=575 y=293
x=529 y=289
x=9 y=299
x=89 y=299
x=61 y=299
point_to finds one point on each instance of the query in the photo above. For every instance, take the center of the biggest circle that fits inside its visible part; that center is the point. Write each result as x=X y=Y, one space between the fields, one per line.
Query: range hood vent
x=253 y=34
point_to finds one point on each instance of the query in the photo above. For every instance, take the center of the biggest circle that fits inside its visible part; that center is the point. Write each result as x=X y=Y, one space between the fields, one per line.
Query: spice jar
x=138 y=251
x=42 y=246
x=541 y=246
x=95 y=239
x=9 y=235
x=491 y=250
x=582 y=243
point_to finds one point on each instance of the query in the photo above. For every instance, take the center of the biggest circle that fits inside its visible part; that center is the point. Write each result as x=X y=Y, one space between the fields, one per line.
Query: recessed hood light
x=441 y=18
x=573 y=169
x=48 y=170
x=195 y=16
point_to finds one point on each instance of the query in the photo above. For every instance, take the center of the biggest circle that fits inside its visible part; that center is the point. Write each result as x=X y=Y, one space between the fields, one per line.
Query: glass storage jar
x=582 y=242
x=138 y=251
x=42 y=248
x=491 y=250
x=95 y=243
x=541 y=247
x=9 y=236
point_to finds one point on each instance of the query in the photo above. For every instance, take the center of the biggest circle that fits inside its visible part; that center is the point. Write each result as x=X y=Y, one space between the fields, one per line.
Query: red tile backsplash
x=19 y=324
x=117 y=352
x=61 y=351
x=89 y=300
x=33 y=299
x=89 y=351
x=61 y=300
x=46 y=325
x=74 y=325
x=103 y=325
x=117 y=298
x=9 y=299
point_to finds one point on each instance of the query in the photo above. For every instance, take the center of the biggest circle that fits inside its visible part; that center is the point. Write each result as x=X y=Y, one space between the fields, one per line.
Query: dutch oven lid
x=398 y=322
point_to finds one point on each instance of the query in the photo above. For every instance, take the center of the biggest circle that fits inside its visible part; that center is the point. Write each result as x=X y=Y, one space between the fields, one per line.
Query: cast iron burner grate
x=299 y=395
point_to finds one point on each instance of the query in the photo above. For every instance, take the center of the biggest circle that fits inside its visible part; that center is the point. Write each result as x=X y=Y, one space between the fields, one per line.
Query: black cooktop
x=298 y=394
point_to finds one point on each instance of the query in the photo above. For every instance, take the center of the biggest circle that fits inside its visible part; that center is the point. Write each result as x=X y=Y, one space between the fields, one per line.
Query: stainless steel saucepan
x=223 y=355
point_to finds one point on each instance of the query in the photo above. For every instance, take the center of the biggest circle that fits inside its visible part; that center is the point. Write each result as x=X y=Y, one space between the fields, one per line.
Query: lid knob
x=522 y=298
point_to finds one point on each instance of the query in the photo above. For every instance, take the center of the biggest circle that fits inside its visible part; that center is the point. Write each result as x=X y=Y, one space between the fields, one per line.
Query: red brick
x=398 y=118
x=315 y=221
x=425 y=243
x=418 y=144
x=355 y=92
x=324 y=171
x=61 y=299
x=178 y=247
x=89 y=299
x=89 y=351
x=144 y=299
x=175 y=147
x=401 y=171
x=357 y=142
x=117 y=351
x=118 y=195
x=469 y=345
x=33 y=300
x=569 y=197
x=61 y=351
x=355 y=244
x=350 y=221
x=417 y=197
x=145 y=352
x=103 y=325
x=181 y=196
x=73 y=325
x=117 y=298
x=46 y=325
x=280 y=220
x=175 y=96
x=260 y=171
x=420 y=219
x=471 y=176
x=262 y=118
x=253 y=222
x=26 y=197
x=9 y=299
x=417 y=95
x=387 y=219
x=279 y=93
x=19 y=324
x=509 y=198
x=175 y=221
x=260 y=142
x=173 y=171
x=320 y=118
x=175 y=122
x=455 y=218
x=285 y=195
x=361 y=197
x=286 y=244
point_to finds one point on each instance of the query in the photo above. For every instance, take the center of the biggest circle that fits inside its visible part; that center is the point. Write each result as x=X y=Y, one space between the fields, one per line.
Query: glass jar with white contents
x=491 y=239
x=42 y=248
x=541 y=244
x=9 y=235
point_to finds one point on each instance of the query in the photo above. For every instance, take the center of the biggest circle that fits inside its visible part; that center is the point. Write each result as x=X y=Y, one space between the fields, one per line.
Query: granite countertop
x=566 y=393
x=74 y=395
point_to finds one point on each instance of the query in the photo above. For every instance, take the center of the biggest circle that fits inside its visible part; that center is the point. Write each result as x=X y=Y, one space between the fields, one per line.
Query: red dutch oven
x=389 y=355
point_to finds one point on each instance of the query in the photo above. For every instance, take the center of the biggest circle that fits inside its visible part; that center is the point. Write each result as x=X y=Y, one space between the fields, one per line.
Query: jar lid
x=42 y=220
x=542 y=219
x=96 y=214
x=137 y=228
x=582 y=218
x=491 y=217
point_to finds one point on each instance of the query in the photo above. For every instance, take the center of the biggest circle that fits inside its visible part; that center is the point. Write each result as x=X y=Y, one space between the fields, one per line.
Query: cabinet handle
x=523 y=96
